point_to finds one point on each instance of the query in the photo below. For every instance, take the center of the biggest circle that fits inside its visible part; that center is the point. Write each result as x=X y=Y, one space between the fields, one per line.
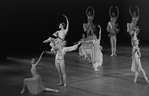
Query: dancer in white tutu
x=113 y=30
x=136 y=62
x=132 y=27
x=97 y=56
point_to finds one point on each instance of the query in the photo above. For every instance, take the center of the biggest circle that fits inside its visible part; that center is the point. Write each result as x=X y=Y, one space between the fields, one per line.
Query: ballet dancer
x=132 y=27
x=61 y=50
x=34 y=84
x=113 y=30
x=136 y=62
x=61 y=34
x=89 y=26
x=97 y=56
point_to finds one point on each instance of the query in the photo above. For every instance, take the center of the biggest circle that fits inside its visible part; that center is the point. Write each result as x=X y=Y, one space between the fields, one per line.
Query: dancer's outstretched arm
x=72 y=48
x=39 y=58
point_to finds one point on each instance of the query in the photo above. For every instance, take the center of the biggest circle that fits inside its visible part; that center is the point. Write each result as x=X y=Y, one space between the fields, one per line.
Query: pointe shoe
x=96 y=69
x=22 y=91
x=65 y=85
x=54 y=90
x=115 y=55
x=135 y=80
x=146 y=79
x=60 y=84
x=111 y=55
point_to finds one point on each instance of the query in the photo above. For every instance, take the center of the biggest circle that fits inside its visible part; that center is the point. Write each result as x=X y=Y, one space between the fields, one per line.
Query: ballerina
x=34 y=84
x=132 y=27
x=61 y=34
x=136 y=62
x=97 y=56
x=89 y=27
x=113 y=30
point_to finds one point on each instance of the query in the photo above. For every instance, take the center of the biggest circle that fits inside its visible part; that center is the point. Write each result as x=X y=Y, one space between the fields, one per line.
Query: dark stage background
x=24 y=24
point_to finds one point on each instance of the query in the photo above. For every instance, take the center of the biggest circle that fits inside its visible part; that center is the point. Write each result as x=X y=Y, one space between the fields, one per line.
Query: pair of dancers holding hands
x=34 y=84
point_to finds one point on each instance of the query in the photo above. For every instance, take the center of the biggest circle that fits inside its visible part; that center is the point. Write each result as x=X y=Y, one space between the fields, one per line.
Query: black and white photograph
x=74 y=48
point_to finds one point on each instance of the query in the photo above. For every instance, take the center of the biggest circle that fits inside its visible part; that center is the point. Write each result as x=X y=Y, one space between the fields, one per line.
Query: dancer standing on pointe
x=132 y=27
x=34 y=84
x=136 y=62
x=113 y=30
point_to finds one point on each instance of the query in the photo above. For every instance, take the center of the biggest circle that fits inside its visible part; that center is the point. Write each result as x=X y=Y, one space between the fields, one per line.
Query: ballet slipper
x=135 y=80
x=111 y=55
x=65 y=85
x=60 y=84
x=22 y=91
x=115 y=55
x=96 y=69
x=54 y=90
x=146 y=79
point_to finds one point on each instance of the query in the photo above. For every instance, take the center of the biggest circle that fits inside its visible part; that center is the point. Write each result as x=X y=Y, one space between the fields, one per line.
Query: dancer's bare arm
x=39 y=58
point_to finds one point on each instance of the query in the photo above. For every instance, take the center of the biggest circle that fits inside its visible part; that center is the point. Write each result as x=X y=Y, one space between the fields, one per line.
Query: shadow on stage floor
x=113 y=79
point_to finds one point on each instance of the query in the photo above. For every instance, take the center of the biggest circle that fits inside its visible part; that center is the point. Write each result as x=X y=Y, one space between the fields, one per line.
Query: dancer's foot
x=146 y=79
x=22 y=91
x=60 y=84
x=96 y=69
x=115 y=55
x=65 y=85
x=111 y=55
x=54 y=90
x=135 y=80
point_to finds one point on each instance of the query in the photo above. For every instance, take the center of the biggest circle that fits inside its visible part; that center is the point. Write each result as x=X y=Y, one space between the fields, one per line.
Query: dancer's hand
x=42 y=52
x=44 y=41
x=64 y=15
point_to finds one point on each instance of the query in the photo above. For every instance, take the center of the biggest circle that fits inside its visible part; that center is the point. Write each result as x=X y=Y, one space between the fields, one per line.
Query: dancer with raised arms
x=132 y=27
x=113 y=30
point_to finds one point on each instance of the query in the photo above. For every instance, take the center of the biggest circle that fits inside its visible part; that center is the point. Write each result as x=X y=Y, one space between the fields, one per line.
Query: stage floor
x=113 y=79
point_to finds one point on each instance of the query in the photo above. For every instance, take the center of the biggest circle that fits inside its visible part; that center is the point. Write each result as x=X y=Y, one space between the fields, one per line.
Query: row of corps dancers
x=35 y=84
x=113 y=30
x=112 y=26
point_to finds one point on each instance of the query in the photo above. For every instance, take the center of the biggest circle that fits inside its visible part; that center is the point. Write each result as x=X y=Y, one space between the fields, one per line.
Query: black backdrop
x=26 y=23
